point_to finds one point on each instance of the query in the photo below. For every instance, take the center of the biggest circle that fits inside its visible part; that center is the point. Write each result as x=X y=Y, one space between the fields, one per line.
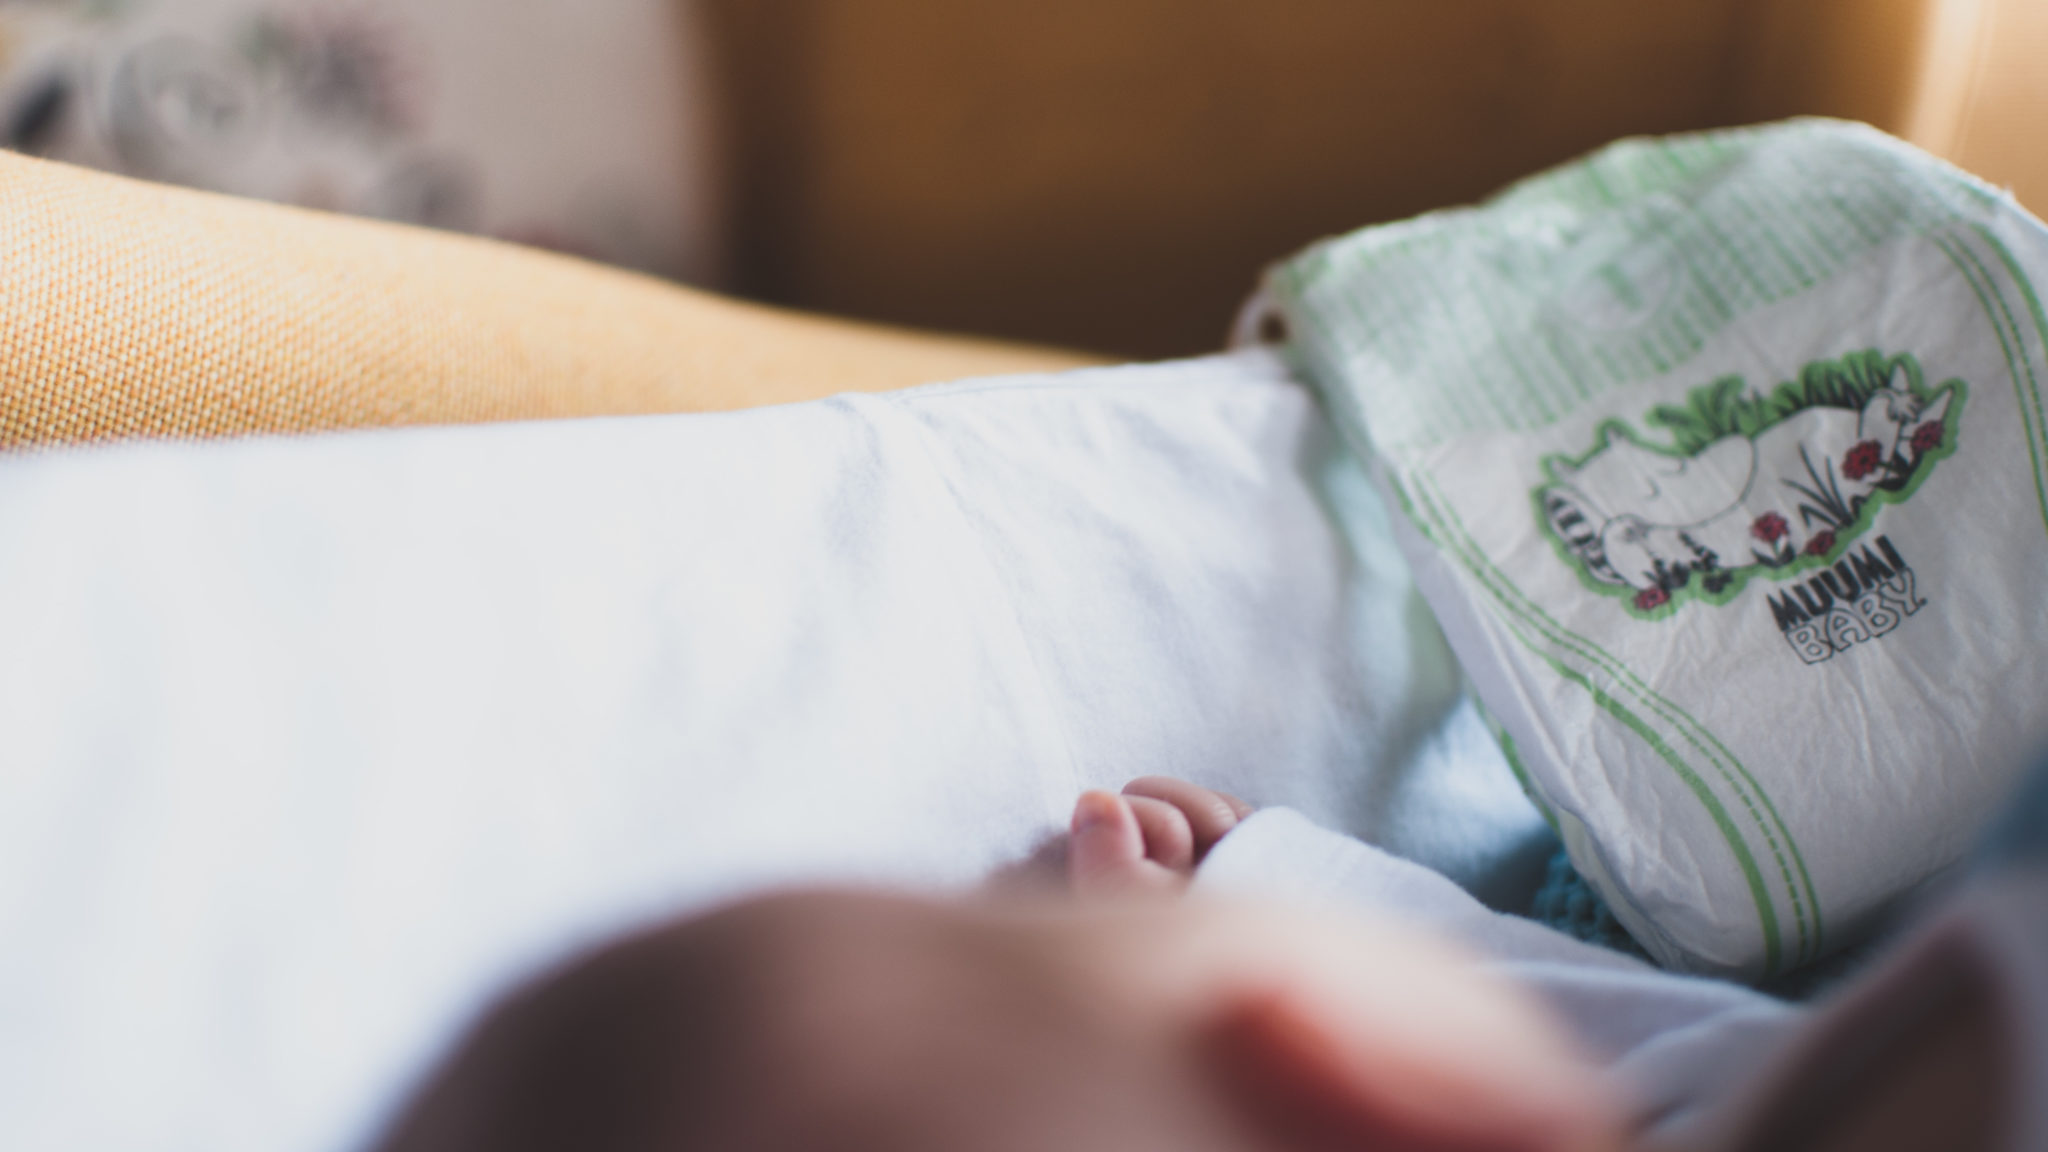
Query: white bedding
x=311 y=745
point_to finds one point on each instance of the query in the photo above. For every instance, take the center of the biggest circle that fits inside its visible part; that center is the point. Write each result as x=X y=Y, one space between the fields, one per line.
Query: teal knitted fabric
x=1569 y=904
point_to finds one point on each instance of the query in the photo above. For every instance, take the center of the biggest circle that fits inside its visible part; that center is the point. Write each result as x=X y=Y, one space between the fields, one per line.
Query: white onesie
x=1677 y=1044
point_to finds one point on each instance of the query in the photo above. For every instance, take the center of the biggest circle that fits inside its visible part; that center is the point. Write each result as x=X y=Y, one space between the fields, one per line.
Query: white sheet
x=311 y=745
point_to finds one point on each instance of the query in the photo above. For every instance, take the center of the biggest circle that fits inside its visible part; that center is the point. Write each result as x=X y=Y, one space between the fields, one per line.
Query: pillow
x=574 y=126
x=1724 y=463
x=132 y=309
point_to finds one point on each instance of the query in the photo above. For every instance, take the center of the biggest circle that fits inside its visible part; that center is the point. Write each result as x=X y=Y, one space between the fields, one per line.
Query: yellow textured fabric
x=131 y=309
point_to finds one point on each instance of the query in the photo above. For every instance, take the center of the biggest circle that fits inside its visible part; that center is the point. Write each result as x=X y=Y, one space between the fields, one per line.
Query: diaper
x=1723 y=461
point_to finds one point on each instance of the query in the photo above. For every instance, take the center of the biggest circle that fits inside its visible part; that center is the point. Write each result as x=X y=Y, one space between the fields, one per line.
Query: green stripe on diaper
x=2026 y=378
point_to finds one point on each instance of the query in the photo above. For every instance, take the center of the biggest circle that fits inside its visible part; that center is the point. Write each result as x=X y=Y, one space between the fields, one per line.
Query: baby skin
x=1147 y=840
x=1125 y=1020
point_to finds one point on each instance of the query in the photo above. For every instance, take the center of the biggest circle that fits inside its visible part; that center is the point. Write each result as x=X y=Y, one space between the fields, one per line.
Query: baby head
x=860 y=1021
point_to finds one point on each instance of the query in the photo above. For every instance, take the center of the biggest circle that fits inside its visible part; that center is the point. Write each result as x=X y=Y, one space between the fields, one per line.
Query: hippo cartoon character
x=1649 y=519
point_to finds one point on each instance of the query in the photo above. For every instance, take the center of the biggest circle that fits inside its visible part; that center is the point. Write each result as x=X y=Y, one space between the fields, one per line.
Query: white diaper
x=1724 y=464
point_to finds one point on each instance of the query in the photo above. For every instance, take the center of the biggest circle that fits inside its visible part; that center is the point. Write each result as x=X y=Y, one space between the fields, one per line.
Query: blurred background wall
x=1112 y=174
x=575 y=125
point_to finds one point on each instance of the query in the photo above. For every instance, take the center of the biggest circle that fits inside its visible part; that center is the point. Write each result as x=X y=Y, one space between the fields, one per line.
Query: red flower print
x=1862 y=460
x=1820 y=543
x=1769 y=528
x=1652 y=597
x=1927 y=437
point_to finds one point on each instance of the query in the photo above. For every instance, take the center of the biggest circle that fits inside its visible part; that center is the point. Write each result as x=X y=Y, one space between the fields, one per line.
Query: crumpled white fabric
x=1675 y=1045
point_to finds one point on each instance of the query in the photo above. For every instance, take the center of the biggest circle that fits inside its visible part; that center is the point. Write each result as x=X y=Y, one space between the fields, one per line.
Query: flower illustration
x=1927 y=437
x=1652 y=597
x=1769 y=528
x=1862 y=460
x=1820 y=543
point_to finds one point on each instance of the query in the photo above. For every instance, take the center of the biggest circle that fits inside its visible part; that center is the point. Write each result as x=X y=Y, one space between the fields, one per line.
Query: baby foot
x=1149 y=839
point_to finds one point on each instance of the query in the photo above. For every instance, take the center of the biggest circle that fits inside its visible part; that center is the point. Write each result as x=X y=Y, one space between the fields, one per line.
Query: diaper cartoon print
x=1739 y=483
